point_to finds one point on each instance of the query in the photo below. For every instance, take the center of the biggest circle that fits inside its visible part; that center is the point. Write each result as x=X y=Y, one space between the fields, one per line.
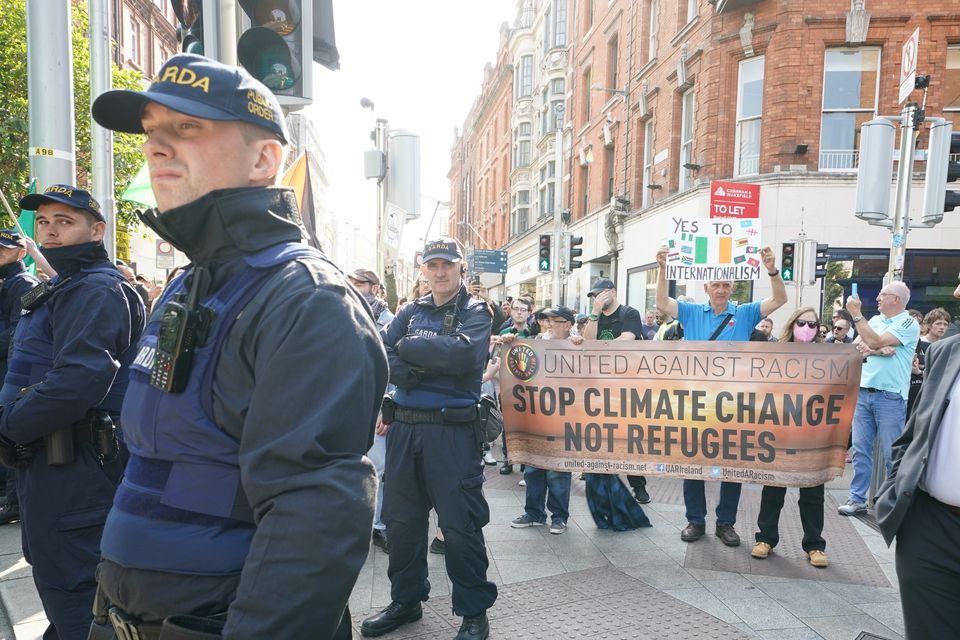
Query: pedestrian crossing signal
x=545 y=252
x=788 y=256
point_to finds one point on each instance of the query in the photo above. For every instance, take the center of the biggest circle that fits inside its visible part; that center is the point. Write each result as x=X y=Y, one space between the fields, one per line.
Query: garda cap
x=10 y=239
x=199 y=87
x=444 y=249
x=63 y=194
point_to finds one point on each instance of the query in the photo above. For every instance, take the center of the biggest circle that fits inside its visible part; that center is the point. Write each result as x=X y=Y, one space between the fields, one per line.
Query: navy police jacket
x=73 y=350
x=432 y=370
x=16 y=282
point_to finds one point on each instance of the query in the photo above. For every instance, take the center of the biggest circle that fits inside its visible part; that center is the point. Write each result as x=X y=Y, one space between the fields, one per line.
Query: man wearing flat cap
x=368 y=284
x=16 y=281
x=437 y=347
x=61 y=399
x=246 y=508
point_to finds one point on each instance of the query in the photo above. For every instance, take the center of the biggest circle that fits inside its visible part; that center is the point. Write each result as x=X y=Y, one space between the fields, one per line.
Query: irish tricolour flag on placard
x=713 y=249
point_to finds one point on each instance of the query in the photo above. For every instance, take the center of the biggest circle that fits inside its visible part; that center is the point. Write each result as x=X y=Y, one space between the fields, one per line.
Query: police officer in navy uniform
x=15 y=281
x=437 y=348
x=247 y=503
x=60 y=399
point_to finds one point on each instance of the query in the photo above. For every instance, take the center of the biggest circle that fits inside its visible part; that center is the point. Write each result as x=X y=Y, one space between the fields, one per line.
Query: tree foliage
x=833 y=292
x=14 y=118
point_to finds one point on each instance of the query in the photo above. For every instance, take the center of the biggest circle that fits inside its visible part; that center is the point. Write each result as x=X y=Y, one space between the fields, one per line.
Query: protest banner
x=758 y=412
x=713 y=249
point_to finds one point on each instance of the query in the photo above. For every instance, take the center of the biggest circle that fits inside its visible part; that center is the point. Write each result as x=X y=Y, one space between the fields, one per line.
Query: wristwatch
x=857 y=319
x=593 y=317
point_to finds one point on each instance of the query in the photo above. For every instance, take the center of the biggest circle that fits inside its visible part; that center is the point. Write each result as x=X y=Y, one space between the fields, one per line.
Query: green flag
x=139 y=189
x=27 y=220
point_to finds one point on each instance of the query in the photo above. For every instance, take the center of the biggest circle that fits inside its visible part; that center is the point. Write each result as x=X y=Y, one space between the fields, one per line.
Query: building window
x=951 y=81
x=560 y=23
x=609 y=164
x=520 y=220
x=585 y=184
x=587 y=93
x=691 y=10
x=587 y=15
x=547 y=24
x=547 y=189
x=850 y=86
x=749 y=112
x=521 y=149
x=686 y=139
x=613 y=60
x=647 y=162
x=524 y=87
x=652 y=32
x=557 y=89
x=135 y=42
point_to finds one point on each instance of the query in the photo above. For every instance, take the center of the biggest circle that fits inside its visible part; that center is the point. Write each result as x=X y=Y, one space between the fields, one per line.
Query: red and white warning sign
x=734 y=200
x=908 y=65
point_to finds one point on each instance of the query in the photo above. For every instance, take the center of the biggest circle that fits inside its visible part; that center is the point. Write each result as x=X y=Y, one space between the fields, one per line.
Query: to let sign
x=908 y=66
x=734 y=200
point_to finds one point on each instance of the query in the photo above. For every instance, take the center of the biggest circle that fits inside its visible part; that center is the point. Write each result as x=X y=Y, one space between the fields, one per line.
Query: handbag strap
x=719 y=329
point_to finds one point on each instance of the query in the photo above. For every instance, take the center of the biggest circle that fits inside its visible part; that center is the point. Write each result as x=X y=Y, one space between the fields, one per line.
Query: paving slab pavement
x=637 y=584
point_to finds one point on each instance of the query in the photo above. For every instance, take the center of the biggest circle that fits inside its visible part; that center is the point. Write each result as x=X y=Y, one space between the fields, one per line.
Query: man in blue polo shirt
x=887 y=343
x=704 y=322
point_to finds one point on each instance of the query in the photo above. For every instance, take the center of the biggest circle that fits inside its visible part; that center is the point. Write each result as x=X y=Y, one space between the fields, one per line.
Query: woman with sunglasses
x=803 y=326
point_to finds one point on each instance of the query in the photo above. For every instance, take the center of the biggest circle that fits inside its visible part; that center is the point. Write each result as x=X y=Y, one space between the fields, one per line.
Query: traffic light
x=815 y=260
x=575 y=252
x=190 y=18
x=284 y=38
x=544 y=262
x=944 y=144
x=821 y=260
x=788 y=257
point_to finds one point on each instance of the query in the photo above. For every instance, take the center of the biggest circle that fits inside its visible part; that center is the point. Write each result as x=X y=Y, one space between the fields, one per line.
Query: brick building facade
x=765 y=91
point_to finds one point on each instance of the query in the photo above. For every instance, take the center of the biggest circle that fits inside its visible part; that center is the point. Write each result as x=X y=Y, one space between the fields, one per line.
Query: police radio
x=36 y=297
x=182 y=329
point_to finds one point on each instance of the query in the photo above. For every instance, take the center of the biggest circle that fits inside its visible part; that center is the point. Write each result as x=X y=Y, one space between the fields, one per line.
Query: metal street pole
x=380 y=141
x=901 y=220
x=101 y=139
x=557 y=208
x=50 y=93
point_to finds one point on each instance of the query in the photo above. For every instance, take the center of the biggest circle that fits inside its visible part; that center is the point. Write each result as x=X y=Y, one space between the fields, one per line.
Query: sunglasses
x=813 y=324
x=840 y=328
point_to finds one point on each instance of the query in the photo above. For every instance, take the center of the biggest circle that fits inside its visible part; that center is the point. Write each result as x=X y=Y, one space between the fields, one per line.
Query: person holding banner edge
x=717 y=319
x=802 y=326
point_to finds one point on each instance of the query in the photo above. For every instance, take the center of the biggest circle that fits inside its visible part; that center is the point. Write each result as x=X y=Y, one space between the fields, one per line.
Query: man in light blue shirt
x=701 y=322
x=887 y=342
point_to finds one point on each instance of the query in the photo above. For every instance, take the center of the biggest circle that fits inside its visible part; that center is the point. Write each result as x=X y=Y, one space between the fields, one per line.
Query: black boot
x=474 y=628
x=393 y=617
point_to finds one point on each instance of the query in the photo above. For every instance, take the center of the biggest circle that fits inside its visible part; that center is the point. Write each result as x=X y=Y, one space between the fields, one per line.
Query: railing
x=749 y=164
x=839 y=159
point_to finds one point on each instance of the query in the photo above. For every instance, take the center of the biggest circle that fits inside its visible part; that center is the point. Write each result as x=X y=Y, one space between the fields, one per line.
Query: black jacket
x=299 y=382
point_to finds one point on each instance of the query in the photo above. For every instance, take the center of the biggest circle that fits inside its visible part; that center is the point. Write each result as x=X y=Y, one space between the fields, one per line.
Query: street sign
x=164 y=254
x=734 y=200
x=488 y=261
x=908 y=66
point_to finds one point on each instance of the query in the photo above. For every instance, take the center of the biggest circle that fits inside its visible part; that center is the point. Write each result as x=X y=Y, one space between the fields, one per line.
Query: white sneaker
x=522 y=483
x=852 y=508
x=489 y=459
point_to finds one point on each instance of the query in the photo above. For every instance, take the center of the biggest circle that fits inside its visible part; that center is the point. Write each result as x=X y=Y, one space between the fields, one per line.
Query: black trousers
x=436 y=466
x=637 y=482
x=928 y=568
x=811 y=516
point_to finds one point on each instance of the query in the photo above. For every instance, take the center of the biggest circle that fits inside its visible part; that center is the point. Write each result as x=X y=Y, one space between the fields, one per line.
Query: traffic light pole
x=50 y=93
x=101 y=139
x=901 y=220
x=380 y=141
x=557 y=207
